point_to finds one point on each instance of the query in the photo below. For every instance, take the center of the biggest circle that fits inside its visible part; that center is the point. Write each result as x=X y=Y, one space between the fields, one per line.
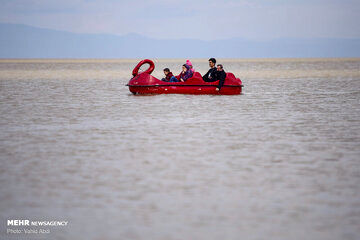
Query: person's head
x=189 y=63
x=166 y=71
x=219 y=67
x=212 y=62
x=185 y=67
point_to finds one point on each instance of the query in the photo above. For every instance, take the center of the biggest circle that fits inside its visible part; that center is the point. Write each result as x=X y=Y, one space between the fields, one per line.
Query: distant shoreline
x=22 y=41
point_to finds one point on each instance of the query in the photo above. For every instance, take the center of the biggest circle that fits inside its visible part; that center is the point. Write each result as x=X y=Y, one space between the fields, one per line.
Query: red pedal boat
x=144 y=83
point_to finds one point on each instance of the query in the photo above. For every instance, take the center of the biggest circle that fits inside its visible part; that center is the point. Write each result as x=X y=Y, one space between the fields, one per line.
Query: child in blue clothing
x=169 y=77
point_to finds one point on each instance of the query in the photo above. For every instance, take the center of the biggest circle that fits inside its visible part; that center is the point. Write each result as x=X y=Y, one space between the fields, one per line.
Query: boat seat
x=197 y=75
x=195 y=79
x=230 y=75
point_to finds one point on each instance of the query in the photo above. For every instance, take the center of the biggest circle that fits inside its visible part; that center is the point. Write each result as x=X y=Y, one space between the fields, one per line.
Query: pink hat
x=188 y=62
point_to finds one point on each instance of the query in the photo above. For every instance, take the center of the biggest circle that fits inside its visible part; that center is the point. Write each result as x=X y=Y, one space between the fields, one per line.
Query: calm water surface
x=280 y=161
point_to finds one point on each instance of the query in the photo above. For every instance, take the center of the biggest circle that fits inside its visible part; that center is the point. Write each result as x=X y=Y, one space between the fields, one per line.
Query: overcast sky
x=200 y=19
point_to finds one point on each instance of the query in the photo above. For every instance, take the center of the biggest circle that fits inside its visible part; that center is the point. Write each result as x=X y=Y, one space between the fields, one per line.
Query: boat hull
x=185 y=89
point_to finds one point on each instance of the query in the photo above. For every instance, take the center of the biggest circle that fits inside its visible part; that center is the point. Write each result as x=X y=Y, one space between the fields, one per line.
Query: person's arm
x=212 y=75
x=181 y=77
x=187 y=75
x=221 y=78
x=206 y=76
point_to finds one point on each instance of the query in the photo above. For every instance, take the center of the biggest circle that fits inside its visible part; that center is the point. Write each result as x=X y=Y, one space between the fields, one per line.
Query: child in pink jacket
x=190 y=65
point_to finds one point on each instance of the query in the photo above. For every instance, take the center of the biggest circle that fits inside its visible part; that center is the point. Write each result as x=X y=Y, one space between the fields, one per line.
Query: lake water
x=280 y=161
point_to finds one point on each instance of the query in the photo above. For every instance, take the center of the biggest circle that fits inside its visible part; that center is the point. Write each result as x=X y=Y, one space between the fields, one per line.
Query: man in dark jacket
x=210 y=75
x=220 y=75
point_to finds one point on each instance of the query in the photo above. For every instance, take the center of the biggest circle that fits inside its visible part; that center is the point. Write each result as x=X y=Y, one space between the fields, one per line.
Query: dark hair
x=213 y=60
x=220 y=65
x=166 y=70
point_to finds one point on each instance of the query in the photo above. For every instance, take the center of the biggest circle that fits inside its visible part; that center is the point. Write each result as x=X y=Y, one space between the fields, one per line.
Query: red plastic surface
x=145 y=61
x=144 y=83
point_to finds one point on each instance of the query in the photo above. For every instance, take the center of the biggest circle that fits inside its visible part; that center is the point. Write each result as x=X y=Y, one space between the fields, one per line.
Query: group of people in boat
x=215 y=73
